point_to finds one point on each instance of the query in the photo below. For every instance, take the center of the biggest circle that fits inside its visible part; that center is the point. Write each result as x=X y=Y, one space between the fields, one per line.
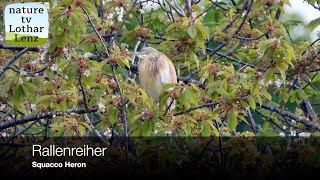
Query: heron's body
x=155 y=69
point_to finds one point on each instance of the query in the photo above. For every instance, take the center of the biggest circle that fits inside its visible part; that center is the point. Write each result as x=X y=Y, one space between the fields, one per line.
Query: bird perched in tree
x=155 y=68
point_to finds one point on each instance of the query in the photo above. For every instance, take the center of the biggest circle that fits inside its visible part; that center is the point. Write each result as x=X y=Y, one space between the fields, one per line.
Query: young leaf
x=232 y=121
x=192 y=31
x=252 y=103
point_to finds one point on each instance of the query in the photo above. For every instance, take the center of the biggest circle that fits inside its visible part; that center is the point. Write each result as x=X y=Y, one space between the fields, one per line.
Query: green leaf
x=132 y=96
x=146 y=129
x=44 y=98
x=205 y=129
x=290 y=50
x=243 y=119
x=112 y=115
x=313 y=24
x=255 y=88
x=185 y=97
x=211 y=17
x=192 y=31
x=252 y=103
x=205 y=33
x=82 y=130
x=316 y=78
x=283 y=75
x=269 y=132
x=73 y=72
x=215 y=130
x=194 y=58
x=57 y=130
x=224 y=93
x=287 y=2
x=229 y=69
x=86 y=125
x=5 y=88
x=266 y=94
x=171 y=26
x=232 y=121
x=18 y=93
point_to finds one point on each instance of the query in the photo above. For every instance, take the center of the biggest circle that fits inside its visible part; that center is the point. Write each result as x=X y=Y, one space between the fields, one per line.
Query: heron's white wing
x=166 y=70
x=165 y=75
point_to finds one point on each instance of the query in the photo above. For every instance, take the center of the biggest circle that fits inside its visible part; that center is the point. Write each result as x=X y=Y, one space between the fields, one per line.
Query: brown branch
x=194 y=108
x=96 y=31
x=123 y=112
x=2 y=46
x=251 y=39
x=47 y=115
x=83 y=93
x=244 y=19
x=14 y=58
x=215 y=3
x=289 y=115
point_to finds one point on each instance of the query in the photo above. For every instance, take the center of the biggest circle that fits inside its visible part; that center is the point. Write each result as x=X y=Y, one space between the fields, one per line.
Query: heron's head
x=145 y=51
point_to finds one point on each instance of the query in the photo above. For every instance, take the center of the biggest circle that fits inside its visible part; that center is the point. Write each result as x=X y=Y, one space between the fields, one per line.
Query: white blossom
x=170 y=89
x=282 y=134
x=278 y=82
x=293 y=133
x=261 y=82
x=23 y=73
x=243 y=14
x=284 y=127
x=2 y=106
x=304 y=134
x=168 y=132
x=110 y=16
x=54 y=116
x=270 y=82
x=54 y=67
x=102 y=107
x=107 y=132
x=120 y=18
x=141 y=11
x=34 y=63
x=87 y=73
x=155 y=131
x=66 y=77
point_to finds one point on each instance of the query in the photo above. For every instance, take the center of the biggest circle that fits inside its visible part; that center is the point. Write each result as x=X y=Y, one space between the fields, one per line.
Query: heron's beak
x=134 y=53
x=139 y=54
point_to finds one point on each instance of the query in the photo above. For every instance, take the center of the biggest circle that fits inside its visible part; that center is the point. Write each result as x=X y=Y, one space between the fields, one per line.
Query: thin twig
x=46 y=115
x=193 y=108
x=289 y=115
x=14 y=58
x=96 y=31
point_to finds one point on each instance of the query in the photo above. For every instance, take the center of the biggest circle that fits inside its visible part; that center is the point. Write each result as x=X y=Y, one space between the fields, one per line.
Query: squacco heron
x=155 y=68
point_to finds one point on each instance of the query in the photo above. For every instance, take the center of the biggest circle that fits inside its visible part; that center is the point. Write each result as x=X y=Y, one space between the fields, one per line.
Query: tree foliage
x=239 y=74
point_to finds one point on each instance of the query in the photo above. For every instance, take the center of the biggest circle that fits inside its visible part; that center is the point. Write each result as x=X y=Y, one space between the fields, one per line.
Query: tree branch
x=46 y=115
x=289 y=115
x=194 y=108
x=14 y=58
x=96 y=31
x=2 y=46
